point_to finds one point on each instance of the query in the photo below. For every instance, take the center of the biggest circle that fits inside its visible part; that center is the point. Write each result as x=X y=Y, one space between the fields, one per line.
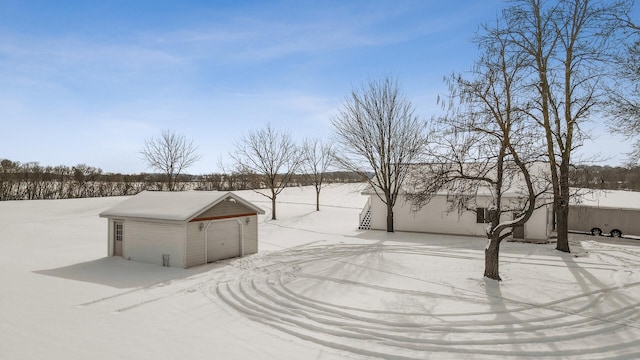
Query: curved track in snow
x=365 y=300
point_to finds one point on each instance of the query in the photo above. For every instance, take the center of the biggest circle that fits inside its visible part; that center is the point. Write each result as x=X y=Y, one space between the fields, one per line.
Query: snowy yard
x=318 y=289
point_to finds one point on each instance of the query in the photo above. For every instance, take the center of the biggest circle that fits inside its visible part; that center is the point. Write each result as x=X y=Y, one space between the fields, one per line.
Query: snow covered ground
x=318 y=289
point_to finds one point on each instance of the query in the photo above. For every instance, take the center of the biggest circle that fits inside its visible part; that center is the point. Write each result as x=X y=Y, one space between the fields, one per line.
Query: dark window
x=480 y=219
x=484 y=215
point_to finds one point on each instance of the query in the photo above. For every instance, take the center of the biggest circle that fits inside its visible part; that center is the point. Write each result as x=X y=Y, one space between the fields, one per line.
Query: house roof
x=514 y=186
x=172 y=205
x=481 y=191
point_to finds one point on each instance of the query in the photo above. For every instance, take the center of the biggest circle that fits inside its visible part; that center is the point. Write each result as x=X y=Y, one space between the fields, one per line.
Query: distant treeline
x=31 y=181
x=605 y=177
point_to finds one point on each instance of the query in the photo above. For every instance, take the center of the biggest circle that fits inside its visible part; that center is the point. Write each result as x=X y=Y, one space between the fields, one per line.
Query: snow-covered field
x=318 y=289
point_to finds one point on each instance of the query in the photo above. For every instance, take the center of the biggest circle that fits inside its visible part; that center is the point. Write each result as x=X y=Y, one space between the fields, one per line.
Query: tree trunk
x=273 y=208
x=389 y=218
x=168 y=183
x=562 y=209
x=491 y=259
x=562 y=225
x=317 y=199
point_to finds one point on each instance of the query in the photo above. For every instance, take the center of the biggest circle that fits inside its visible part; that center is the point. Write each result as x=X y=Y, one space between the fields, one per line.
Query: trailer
x=612 y=221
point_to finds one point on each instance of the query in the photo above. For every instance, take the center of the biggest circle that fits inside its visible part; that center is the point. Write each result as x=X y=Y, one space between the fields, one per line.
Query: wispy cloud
x=268 y=35
x=210 y=69
x=63 y=60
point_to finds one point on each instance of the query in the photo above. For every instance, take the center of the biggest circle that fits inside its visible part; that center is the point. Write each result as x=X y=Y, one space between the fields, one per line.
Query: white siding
x=378 y=214
x=195 y=244
x=110 y=237
x=537 y=228
x=436 y=218
x=433 y=218
x=147 y=241
x=249 y=235
x=226 y=208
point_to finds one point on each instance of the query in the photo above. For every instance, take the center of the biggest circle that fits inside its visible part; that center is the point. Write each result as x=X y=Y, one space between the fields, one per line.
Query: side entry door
x=118 y=237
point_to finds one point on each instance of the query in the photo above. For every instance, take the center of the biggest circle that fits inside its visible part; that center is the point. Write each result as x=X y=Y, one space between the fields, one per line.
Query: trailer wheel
x=616 y=233
x=596 y=232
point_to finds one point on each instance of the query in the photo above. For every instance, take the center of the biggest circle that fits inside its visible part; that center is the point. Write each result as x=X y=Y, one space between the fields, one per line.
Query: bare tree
x=85 y=181
x=9 y=172
x=318 y=158
x=484 y=147
x=171 y=154
x=568 y=47
x=625 y=93
x=271 y=155
x=378 y=136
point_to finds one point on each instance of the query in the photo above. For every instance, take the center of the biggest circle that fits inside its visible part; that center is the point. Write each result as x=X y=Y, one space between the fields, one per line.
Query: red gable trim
x=223 y=217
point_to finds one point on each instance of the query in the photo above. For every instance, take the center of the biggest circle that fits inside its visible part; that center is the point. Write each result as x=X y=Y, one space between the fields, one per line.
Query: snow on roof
x=514 y=187
x=481 y=191
x=172 y=205
x=610 y=199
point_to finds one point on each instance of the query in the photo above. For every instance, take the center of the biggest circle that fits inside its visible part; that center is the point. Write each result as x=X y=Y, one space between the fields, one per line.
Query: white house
x=182 y=229
x=437 y=217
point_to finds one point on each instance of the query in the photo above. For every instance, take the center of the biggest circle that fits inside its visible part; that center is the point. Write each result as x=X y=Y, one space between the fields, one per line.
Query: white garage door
x=223 y=240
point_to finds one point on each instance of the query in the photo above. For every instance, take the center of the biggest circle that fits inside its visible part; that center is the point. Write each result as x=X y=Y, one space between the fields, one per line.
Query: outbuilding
x=182 y=229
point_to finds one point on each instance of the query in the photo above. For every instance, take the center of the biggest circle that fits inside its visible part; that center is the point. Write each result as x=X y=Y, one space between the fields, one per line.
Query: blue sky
x=89 y=81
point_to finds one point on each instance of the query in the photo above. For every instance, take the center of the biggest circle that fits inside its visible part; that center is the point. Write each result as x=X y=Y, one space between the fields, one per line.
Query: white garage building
x=182 y=229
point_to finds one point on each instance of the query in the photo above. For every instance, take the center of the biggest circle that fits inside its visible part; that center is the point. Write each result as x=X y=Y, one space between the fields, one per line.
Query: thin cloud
x=265 y=36
x=38 y=57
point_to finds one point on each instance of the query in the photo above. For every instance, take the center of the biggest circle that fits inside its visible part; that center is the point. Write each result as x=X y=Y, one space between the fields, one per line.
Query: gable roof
x=514 y=185
x=173 y=205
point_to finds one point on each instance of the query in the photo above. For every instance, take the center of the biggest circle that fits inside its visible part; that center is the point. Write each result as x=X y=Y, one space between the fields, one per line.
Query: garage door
x=223 y=240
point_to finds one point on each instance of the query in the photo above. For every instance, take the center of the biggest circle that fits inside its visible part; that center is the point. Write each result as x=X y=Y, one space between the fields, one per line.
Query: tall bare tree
x=484 y=147
x=378 y=136
x=625 y=92
x=270 y=154
x=318 y=158
x=567 y=43
x=171 y=154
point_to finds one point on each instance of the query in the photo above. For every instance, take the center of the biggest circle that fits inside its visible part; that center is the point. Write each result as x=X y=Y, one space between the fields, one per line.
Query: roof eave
x=222 y=198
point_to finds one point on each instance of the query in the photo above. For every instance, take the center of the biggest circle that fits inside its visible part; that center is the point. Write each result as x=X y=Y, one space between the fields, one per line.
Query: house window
x=484 y=215
x=480 y=215
x=118 y=229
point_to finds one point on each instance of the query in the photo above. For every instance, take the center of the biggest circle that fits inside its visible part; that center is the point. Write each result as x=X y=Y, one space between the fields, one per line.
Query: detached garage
x=182 y=229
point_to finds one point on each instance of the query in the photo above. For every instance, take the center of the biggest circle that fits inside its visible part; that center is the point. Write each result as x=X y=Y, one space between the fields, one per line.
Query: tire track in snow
x=137 y=297
x=268 y=292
